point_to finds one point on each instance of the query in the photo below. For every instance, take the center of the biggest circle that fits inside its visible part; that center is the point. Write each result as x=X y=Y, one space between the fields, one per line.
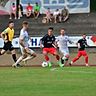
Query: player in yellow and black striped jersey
x=8 y=35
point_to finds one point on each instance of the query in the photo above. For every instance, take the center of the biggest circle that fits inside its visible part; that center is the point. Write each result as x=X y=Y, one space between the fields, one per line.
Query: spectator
x=48 y=16
x=13 y=11
x=20 y=11
x=57 y=16
x=36 y=10
x=29 y=10
x=65 y=14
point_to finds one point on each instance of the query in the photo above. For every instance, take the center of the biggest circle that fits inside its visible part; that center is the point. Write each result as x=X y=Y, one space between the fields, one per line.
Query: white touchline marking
x=86 y=72
x=53 y=69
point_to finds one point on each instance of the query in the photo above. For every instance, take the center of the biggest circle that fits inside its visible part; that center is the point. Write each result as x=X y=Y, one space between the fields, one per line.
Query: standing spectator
x=57 y=16
x=36 y=10
x=20 y=11
x=65 y=14
x=13 y=11
x=29 y=10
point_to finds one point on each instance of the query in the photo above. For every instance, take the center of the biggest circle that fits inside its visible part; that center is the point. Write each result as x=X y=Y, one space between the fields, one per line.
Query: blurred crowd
x=34 y=11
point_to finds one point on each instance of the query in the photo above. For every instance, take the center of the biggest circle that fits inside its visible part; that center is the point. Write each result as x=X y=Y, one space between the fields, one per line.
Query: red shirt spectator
x=29 y=7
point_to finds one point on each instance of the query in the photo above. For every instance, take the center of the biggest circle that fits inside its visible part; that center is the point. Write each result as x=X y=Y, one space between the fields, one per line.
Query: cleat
x=87 y=65
x=49 y=64
x=24 y=61
x=14 y=65
x=70 y=64
x=60 y=64
x=18 y=65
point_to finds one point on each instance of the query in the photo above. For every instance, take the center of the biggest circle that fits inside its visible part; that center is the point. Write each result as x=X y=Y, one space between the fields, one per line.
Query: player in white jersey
x=62 y=43
x=27 y=53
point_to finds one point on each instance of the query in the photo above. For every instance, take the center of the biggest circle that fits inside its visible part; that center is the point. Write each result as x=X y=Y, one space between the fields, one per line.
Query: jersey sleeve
x=5 y=31
x=43 y=38
x=79 y=41
x=22 y=35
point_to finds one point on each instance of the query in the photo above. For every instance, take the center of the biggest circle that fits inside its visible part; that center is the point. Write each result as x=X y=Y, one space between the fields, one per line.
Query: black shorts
x=8 y=46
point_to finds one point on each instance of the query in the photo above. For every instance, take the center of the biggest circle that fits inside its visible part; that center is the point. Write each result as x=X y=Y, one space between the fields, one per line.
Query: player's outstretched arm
x=3 y=36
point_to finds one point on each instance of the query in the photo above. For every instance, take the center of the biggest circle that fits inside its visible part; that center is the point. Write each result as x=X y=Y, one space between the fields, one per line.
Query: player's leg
x=19 y=60
x=13 y=52
x=31 y=53
x=84 y=53
x=2 y=52
x=54 y=52
x=24 y=55
x=5 y=48
x=65 y=56
x=45 y=53
x=76 y=58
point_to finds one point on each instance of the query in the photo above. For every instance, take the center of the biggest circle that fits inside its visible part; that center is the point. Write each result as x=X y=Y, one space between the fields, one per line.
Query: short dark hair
x=51 y=28
x=25 y=22
x=10 y=22
x=84 y=34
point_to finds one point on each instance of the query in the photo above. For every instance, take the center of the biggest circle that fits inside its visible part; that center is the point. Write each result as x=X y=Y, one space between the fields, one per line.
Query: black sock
x=14 y=57
x=62 y=61
x=0 y=53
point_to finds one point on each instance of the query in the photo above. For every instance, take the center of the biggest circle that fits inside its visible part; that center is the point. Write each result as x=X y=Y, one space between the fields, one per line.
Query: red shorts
x=82 y=53
x=49 y=50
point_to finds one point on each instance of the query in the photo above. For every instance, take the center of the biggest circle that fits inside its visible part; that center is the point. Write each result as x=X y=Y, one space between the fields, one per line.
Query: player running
x=48 y=41
x=27 y=53
x=7 y=35
x=82 y=43
x=62 y=43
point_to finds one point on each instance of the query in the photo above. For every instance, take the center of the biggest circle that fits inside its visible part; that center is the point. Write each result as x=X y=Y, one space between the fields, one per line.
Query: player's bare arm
x=3 y=36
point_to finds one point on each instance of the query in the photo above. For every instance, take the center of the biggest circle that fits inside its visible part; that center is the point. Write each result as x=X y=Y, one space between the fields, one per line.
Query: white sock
x=28 y=58
x=19 y=60
x=64 y=58
x=71 y=62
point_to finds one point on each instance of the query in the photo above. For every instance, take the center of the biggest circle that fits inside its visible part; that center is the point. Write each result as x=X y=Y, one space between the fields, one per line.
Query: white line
x=83 y=72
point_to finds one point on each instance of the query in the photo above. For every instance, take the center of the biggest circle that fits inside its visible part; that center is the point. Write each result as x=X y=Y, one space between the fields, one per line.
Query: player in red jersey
x=82 y=43
x=48 y=41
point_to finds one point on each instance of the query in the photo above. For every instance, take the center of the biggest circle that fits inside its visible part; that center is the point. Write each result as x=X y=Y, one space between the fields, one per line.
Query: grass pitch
x=68 y=81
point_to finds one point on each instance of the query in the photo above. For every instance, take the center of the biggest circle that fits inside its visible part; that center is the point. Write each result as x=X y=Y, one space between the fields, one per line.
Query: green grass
x=69 y=81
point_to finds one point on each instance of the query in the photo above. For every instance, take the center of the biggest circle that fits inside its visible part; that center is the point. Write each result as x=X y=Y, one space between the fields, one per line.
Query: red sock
x=46 y=58
x=57 y=57
x=75 y=59
x=86 y=59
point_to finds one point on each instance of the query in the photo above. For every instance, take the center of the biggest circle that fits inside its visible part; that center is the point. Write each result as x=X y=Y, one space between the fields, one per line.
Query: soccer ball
x=44 y=64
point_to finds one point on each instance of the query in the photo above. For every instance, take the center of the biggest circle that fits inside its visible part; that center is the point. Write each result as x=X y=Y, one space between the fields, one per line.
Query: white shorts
x=23 y=52
x=64 y=51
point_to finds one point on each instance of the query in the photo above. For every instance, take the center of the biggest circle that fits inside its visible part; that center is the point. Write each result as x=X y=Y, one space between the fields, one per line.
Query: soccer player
x=48 y=41
x=27 y=53
x=82 y=43
x=7 y=35
x=62 y=41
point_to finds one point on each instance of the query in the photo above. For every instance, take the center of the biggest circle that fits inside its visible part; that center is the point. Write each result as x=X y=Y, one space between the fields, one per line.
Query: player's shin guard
x=14 y=57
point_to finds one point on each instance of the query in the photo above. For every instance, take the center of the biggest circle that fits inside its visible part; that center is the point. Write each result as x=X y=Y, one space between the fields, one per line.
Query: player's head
x=25 y=24
x=28 y=4
x=11 y=24
x=50 y=31
x=62 y=31
x=84 y=36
